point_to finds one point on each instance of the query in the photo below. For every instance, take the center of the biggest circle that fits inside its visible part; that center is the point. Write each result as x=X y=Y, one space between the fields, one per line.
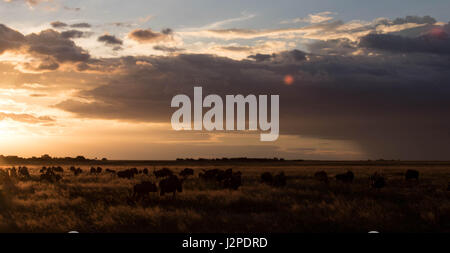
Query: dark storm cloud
x=414 y=19
x=110 y=40
x=51 y=47
x=58 y=24
x=10 y=39
x=50 y=43
x=149 y=36
x=430 y=43
x=391 y=105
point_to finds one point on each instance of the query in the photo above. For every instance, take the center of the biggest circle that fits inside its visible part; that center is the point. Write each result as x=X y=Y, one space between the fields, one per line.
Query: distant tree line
x=47 y=159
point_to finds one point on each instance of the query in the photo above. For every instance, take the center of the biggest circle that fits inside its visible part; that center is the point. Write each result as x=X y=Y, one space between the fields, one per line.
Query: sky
x=370 y=79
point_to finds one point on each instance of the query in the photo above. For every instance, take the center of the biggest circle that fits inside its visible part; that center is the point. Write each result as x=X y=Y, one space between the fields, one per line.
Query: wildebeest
x=75 y=171
x=233 y=181
x=127 y=173
x=23 y=171
x=321 y=176
x=276 y=181
x=267 y=178
x=412 y=174
x=110 y=171
x=172 y=184
x=50 y=176
x=164 y=172
x=187 y=172
x=209 y=174
x=93 y=170
x=58 y=169
x=143 y=189
x=345 y=177
x=145 y=171
x=377 y=181
x=279 y=180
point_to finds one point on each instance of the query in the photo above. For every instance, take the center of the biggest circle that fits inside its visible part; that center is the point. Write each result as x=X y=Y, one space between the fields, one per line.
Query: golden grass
x=90 y=203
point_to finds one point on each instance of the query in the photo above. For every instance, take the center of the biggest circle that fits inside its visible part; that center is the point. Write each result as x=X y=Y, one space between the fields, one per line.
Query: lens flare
x=288 y=80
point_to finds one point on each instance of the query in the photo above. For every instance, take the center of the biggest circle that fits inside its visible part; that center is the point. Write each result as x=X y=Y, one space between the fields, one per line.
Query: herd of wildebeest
x=169 y=182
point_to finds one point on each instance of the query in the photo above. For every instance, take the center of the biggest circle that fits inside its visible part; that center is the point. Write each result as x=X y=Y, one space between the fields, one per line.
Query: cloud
x=326 y=29
x=30 y=3
x=81 y=25
x=10 y=39
x=436 y=44
x=390 y=105
x=73 y=34
x=58 y=24
x=168 y=49
x=47 y=49
x=26 y=118
x=312 y=18
x=148 y=36
x=110 y=40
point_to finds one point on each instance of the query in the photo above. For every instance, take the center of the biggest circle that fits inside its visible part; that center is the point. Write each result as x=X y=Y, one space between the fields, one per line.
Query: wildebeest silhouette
x=186 y=172
x=164 y=172
x=93 y=170
x=143 y=189
x=58 y=169
x=110 y=171
x=172 y=184
x=412 y=174
x=129 y=173
x=377 y=181
x=345 y=177
x=76 y=171
x=321 y=176
x=99 y=170
x=50 y=176
x=279 y=180
x=23 y=172
x=267 y=178
x=145 y=171
x=209 y=175
x=233 y=181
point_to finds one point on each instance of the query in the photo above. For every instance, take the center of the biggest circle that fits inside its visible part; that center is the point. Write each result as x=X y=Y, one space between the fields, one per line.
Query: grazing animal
x=377 y=181
x=412 y=174
x=127 y=173
x=110 y=171
x=93 y=170
x=209 y=174
x=164 y=172
x=170 y=185
x=50 y=176
x=345 y=177
x=233 y=182
x=321 y=176
x=145 y=171
x=187 y=172
x=23 y=171
x=99 y=170
x=76 y=171
x=58 y=169
x=267 y=178
x=143 y=189
x=279 y=180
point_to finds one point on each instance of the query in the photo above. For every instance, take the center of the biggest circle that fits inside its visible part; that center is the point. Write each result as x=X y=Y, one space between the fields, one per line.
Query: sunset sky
x=356 y=79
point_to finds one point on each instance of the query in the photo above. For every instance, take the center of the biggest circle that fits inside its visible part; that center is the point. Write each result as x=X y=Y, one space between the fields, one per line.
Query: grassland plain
x=101 y=203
